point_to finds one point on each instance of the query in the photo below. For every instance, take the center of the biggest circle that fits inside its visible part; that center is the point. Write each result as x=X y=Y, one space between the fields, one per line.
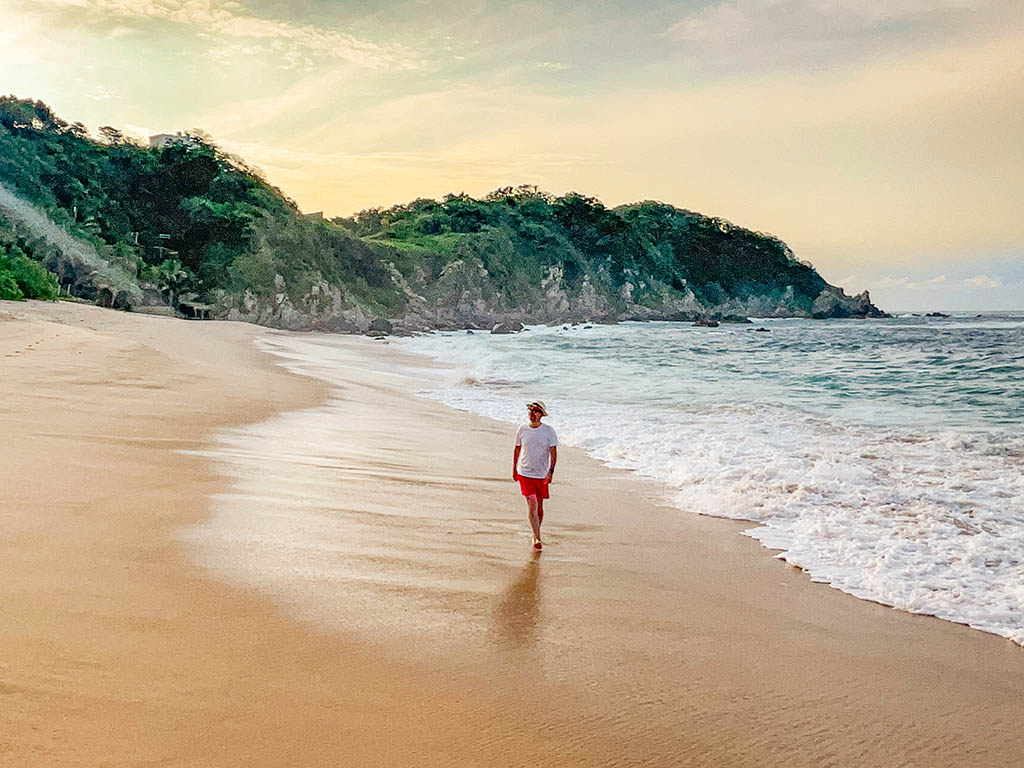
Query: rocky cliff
x=468 y=304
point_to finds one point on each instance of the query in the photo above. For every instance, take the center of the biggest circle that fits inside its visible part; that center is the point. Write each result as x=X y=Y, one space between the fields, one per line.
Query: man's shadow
x=517 y=613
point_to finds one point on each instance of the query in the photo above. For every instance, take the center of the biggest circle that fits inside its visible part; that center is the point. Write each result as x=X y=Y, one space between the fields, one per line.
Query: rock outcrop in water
x=189 y=225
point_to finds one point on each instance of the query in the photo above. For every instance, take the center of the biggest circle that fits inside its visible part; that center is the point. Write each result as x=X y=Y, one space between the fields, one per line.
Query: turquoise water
x=884 y=457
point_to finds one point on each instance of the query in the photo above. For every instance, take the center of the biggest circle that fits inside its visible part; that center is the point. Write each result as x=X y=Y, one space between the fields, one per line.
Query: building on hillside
x=161 y=140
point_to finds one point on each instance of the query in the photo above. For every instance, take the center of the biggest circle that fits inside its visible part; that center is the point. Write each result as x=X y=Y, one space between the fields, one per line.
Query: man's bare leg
x=540 y=511
x=532 y=504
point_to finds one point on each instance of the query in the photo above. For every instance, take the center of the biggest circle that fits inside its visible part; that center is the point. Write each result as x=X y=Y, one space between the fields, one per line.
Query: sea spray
x=82 y=256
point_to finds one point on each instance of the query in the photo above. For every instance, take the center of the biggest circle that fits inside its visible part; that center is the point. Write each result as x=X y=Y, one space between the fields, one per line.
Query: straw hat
x=538 y=404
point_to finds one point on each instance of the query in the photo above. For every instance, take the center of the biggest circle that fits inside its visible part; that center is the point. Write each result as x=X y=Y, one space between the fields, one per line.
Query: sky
x=883 y=140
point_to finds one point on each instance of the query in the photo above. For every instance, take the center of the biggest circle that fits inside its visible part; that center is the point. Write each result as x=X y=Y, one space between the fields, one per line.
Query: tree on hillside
x=115 y=138
x=173 y=279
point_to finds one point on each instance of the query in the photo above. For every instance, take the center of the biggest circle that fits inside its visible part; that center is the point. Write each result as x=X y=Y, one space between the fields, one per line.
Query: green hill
x=188 y=225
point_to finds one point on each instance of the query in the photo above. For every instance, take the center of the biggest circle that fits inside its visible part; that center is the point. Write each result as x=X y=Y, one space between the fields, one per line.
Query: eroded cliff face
x=465 y=296
x=322 y=308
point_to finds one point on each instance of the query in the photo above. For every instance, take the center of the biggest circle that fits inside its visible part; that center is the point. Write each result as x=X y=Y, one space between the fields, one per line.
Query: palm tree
x=172 y=278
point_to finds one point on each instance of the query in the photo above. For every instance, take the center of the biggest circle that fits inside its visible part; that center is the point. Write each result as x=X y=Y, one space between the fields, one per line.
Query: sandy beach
x=641 y=636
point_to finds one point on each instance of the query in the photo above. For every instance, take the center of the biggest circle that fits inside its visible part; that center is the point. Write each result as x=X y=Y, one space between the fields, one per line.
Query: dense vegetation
x=193 y=221
x=185 y=215
x=22 y=277
x=518 y=234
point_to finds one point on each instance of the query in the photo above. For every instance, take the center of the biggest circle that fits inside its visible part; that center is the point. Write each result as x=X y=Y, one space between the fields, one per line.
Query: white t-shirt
x=535 y=457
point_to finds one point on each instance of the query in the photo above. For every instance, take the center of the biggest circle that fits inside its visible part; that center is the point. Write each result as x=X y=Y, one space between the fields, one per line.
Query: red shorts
x=533 y=486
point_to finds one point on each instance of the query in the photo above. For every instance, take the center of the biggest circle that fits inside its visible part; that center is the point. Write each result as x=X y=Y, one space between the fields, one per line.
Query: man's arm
x=515 y=462
x=554 y=460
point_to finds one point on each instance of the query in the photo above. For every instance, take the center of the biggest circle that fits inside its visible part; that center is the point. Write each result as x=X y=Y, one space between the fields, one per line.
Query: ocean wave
x=877 y=489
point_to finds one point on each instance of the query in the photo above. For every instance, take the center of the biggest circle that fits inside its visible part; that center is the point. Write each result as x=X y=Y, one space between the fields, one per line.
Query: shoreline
x=120 y=650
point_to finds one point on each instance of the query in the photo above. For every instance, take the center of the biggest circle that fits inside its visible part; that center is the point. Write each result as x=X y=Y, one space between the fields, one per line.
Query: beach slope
x=684 y=643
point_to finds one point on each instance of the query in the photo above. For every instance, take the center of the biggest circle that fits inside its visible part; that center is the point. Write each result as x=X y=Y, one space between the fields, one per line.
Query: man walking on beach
x=533 y=464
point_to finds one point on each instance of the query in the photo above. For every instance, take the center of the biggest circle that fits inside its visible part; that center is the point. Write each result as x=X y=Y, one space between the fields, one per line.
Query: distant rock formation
x=832 y=302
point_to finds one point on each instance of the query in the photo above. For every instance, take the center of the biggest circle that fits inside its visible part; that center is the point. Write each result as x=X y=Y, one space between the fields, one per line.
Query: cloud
x=120 y=31
x=850 y=279
x=895 y=282
x=238 y=32
x=725 y=21
x=954 y=290
x=101 y=93
x=983 y=281
x=788 y=25
x=455 y=159
x=906 y=282
x=556 y=66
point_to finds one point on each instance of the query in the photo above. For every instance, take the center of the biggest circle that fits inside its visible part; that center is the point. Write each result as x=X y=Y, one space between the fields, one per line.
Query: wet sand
x=134 y=635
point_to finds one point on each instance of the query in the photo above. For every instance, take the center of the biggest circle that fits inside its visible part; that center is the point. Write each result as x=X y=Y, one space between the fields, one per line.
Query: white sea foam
x=884 y=460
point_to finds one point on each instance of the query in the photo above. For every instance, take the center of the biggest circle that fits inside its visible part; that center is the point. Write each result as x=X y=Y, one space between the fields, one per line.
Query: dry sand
x=640 y=637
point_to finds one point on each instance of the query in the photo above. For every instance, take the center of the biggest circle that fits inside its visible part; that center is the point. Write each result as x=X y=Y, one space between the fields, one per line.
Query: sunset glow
x=880 y=139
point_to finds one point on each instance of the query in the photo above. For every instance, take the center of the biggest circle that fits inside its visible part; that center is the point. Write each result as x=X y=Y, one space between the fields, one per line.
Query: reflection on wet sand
x=517 y=613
